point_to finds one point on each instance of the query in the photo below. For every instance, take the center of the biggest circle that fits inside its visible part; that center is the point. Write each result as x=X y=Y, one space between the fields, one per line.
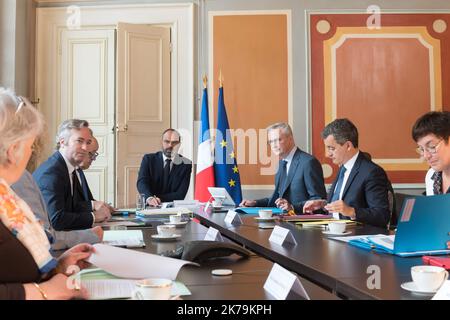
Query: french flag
x=205 y=156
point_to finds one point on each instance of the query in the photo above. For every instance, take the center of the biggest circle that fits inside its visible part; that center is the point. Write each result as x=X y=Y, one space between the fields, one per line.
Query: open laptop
x=222 y=193
x=423 y=228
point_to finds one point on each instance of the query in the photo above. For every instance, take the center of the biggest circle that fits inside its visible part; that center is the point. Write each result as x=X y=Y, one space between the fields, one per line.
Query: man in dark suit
x=59 y=180
x=164 y=176
x=360 y=192
x=299 y=177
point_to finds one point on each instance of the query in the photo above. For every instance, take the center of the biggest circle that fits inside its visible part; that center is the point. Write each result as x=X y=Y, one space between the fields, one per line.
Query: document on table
x=122 y=289
x=443 y=292
x=124 y=238
x=131 y=264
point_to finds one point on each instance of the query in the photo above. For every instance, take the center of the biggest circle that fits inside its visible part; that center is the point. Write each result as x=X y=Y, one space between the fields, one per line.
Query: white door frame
x=51 y=21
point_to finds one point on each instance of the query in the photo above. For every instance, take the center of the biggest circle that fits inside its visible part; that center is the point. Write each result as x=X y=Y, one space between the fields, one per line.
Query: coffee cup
x=336 y=227
x=152 y=289
x=428 y=278
x=217 y=203
x=265 y=213
x=175 y=218
x=166 y=230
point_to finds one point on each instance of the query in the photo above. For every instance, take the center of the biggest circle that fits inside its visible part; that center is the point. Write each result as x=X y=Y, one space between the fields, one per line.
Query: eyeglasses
x=93 y=155
x=429 y=149
x=20 y=105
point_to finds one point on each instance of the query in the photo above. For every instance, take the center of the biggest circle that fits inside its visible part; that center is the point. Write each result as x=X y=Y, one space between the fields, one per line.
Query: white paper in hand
x=130 y=264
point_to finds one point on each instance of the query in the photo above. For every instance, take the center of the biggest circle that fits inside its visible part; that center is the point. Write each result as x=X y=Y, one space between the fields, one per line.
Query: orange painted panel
x=251 y=51
x=406 y=96
x=379 y=82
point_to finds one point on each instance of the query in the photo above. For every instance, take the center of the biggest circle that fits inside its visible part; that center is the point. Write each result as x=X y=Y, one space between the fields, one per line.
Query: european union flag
x=225 y=165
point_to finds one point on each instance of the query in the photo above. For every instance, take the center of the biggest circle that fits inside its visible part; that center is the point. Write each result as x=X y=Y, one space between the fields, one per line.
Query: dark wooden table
x=246 y=282
x=336 y=266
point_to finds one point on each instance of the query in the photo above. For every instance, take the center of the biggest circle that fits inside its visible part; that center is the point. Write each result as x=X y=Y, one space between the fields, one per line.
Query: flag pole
x=220 y=79
x=205 y=81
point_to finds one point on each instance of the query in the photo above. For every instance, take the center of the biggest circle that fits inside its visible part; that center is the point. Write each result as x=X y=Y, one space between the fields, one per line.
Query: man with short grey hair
x=69 y=207
x=299 y=177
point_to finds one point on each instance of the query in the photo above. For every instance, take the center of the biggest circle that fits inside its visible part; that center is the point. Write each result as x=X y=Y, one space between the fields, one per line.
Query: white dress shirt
x=70 y=169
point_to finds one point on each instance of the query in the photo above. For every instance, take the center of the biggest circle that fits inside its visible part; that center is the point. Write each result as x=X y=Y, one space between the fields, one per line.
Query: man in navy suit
x=164 y=176
x=299 y=177
x=61 y=183
x=360 y=192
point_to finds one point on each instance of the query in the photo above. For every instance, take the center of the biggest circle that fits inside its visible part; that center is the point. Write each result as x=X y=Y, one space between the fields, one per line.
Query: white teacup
x=336 y=227
x=166 y=230
x=217 y=203
x=175 y=218
x=152 y=289
x=265 y=213
x=428 y=278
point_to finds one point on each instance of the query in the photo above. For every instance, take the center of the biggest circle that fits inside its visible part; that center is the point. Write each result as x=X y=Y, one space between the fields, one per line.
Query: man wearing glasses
x=164 y=176
x=431 y=132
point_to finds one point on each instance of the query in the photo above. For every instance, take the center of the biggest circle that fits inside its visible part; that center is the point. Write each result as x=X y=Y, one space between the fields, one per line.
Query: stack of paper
x=124 y=238
x=322 y=223
x=102 y=285
x=163 y=212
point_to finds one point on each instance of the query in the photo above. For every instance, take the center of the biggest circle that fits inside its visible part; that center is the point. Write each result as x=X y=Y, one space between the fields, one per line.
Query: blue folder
x=423 y=229
x=254 y=210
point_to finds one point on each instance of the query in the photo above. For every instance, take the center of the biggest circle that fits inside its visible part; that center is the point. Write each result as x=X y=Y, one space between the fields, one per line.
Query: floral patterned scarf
x=17 y=216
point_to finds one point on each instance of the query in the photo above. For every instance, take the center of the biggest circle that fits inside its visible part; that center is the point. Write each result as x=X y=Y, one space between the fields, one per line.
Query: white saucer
x=164 y=238
x=336 y=234
x=411 y=286
x=265 y=219
x=177 y=224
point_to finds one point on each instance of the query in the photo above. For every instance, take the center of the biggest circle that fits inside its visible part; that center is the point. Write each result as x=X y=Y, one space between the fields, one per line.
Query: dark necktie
x=339 y=183
x=84 y=184
x=437 y=183
x=283 y=177
x=75 y=187
x=166 y=174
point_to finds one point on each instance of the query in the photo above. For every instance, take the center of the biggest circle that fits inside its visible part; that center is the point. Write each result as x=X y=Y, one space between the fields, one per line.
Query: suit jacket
x=150 y=177
x=304 y=182
x=27 y=189
x=66 y=212
x=366 y=190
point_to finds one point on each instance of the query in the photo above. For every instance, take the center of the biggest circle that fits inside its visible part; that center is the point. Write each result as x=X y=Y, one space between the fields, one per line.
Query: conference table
x=246 y=282
x=344 y=270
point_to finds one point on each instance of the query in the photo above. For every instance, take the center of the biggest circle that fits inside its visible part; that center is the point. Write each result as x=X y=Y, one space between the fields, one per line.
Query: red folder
x=443 y=262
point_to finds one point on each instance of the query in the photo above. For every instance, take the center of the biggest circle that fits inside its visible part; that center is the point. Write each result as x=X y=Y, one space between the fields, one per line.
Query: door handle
x=117 y=128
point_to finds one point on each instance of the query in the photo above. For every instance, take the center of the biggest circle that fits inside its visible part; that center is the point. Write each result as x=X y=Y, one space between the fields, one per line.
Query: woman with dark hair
x=431 y=132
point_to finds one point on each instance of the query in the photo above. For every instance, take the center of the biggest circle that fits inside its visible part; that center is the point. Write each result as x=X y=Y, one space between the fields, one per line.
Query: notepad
x=102 y=285
x=124 y=238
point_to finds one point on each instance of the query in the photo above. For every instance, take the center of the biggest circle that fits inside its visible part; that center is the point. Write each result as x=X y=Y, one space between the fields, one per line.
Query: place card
x=281 y=236
x=233 y=218
x=281 y=281
x=213 y=235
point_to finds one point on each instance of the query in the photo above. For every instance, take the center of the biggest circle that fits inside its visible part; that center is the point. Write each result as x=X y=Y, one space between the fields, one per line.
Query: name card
x=281 y=281
x=213 y=235
x=233 y=217
x=281 y=236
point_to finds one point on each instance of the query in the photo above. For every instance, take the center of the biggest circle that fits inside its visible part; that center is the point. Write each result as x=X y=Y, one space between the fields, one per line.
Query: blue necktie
x=339 y=183
x=84 y=185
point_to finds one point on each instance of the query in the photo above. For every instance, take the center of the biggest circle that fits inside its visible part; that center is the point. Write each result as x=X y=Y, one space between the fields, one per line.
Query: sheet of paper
x=131 y=264
x=347 y=239
x=102 y=289
x=386 y=241
x=124 y=238
x=168 y=211
x=119 y=223
x=443 y=292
